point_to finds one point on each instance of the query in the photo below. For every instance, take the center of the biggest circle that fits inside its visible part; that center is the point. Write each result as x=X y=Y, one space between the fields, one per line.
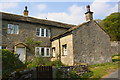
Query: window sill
x=64 y=55
x=42 y=37
x=45 y=56
x=52 y=57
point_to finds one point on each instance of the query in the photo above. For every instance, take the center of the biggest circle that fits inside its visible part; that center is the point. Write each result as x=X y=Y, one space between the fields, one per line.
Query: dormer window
x=40 y=32
x=12 y=29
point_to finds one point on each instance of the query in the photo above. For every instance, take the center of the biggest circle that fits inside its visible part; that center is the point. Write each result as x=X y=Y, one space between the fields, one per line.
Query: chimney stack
x=25 y=11
x=89 y=14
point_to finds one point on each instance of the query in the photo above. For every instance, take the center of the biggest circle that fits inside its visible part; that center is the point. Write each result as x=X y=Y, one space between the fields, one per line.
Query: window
x=42 y=51
x=53 y=51
x=37 y=52
x=3 y=47
x=40 y=32
x=64 y=49
x=12 y=29
x=47 y=51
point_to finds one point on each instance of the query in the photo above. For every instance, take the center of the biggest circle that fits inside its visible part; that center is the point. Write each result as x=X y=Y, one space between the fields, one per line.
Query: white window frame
x=45 y=32
x=12 y=30
x=45 y=51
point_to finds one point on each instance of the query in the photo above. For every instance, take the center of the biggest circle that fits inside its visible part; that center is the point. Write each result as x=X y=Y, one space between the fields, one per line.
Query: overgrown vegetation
x=31 y=44
x=116 y=57
x=10 y=62
x=40 y=61
x=111 y=25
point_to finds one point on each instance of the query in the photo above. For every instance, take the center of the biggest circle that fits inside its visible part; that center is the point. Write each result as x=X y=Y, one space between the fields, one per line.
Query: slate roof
x=22 y=18
x=69 y=31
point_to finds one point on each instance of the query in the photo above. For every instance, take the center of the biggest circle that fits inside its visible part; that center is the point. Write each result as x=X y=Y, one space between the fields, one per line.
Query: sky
x=71 y=12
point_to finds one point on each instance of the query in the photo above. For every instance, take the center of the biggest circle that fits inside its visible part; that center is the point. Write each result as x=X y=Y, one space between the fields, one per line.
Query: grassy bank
x=100 y=70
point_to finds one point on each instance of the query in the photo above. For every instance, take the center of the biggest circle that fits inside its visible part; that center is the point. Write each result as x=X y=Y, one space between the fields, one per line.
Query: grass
x=100 y=70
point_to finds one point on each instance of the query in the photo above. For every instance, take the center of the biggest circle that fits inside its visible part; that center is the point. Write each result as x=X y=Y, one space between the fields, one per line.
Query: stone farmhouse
x=72 y=44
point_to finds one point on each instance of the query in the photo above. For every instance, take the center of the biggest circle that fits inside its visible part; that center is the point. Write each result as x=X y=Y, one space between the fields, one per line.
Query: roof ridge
x=29 y=18
x=69 y=30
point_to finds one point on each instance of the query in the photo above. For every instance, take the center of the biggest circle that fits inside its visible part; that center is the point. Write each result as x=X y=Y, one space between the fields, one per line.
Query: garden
x=11 y=63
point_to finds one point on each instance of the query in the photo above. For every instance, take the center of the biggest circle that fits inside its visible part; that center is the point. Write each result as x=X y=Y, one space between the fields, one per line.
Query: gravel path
x=113 y=76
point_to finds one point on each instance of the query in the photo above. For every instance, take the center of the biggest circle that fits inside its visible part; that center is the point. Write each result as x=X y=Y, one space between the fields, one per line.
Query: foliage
x=10 y=62
x=57 y=63
x=87 y=75
x=116 y=57
x=37 y=61
x=111 y=25
x=31 y=44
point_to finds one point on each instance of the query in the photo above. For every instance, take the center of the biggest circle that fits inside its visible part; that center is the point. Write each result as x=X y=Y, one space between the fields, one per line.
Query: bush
x=87 y=75
x=57 y=63
x=116 y=57
x=38 y=61
x=10 y=62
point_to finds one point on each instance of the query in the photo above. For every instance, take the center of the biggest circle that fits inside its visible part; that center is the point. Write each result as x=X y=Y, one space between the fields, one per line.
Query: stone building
x=16 y=29
x=84 y=43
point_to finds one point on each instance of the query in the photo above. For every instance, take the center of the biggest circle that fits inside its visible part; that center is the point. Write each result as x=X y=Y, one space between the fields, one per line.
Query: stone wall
x=27 y=30
x=115 y=47
x=65 y=59
x=91 y=44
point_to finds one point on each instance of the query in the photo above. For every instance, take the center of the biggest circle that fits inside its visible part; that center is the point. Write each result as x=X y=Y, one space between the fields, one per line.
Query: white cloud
x=75 y=15
x=41 y=7
x=4 y=6
x=103 y=9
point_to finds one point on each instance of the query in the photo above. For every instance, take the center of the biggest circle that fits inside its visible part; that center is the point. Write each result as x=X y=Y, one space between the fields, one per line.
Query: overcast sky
x=71 y=12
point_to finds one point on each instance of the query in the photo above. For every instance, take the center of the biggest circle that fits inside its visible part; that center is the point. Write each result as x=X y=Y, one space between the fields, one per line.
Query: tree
x=111 y=24
x=10 y=62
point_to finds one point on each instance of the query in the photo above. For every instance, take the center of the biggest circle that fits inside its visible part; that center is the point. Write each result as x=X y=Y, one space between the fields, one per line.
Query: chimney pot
x=89 y=14
x=25 y=11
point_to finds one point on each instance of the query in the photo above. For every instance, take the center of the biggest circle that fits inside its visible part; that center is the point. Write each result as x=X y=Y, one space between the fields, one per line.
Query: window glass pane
x=15 y=29
x=9 y=28
x=47 y=52
x=37 y=51
x=53 y=51
x=47 y=33
x=42 y=32
x=64 y=49
x=12 y=29
x=42 y=52
x=38 y=32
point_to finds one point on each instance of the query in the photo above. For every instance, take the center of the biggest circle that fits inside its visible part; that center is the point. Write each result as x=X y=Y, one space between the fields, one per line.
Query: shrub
x=37 y=61
x=10 y=62
x=57 y=63
x=116 y=57
x=87 y=75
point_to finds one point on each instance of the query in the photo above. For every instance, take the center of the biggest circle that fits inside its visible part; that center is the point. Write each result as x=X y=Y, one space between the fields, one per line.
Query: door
x=21 y=52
